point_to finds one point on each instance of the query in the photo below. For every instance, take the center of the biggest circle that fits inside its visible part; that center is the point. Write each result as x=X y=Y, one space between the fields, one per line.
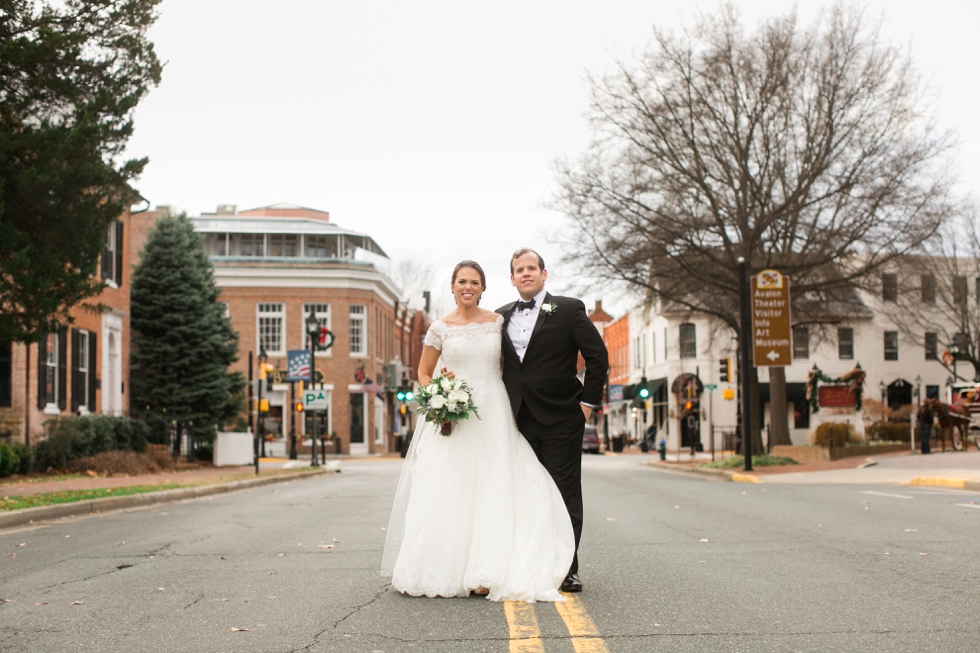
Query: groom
x=542 y=338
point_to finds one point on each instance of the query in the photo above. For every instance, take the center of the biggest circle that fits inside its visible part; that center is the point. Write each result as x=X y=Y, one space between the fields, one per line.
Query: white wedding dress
x=476 y=508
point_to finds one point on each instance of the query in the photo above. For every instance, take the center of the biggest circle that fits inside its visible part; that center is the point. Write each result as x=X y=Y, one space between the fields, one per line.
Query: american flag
x=299 y=365
x=371 y=386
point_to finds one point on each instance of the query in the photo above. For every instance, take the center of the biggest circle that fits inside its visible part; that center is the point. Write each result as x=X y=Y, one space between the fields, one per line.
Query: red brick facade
x=79 y=387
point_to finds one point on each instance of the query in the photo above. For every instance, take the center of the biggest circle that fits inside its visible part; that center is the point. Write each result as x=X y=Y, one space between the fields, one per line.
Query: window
x=112 y=250
x=52 y=361
x=666 y=356
x=688 y=341
x=637 y=344
x=932 y=346
x=959 y=291
x=801 y=415
x=891 y=345
x=316 y=246
x=322 y=312
x=962 y=342
x=928 y=289
x=6 y=373
x=801 y=343
x=283 y=245
x=845 y=343
x=251 y=245
x=216 y=244
x=932 y=392
x=82 y=370
x=271 y=318
x=889 y=287
x=653 y=346
x=358 y=330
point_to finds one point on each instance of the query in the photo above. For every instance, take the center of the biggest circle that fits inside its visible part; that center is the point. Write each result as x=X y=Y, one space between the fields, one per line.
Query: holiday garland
x=853 y=379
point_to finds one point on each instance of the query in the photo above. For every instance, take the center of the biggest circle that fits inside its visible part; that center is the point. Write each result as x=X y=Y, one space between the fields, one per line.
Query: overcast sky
x=432 y=125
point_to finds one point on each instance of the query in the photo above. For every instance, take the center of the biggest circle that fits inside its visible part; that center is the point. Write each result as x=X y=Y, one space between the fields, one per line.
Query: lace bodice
x=471 y=351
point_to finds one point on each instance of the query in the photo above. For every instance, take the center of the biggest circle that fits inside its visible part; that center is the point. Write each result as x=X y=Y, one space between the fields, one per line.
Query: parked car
x=590 y=441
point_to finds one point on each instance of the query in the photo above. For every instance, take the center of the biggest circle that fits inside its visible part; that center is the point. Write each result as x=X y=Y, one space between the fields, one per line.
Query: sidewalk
x=958 y=470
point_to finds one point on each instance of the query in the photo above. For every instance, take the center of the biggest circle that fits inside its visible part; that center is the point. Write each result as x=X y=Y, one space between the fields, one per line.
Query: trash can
x=617 y=442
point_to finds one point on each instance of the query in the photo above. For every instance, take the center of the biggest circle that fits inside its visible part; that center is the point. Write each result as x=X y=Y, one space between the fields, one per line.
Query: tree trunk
x=756 y=408
x=778 y=412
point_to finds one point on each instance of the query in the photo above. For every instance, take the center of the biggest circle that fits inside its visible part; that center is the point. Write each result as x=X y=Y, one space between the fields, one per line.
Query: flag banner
x=299 y=365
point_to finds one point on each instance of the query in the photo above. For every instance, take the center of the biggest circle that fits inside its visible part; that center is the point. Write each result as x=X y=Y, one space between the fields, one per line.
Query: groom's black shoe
x=571 y=584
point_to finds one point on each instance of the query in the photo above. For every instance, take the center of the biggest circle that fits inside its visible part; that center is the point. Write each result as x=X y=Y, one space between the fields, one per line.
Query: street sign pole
x=745 y=337
x=313 y=415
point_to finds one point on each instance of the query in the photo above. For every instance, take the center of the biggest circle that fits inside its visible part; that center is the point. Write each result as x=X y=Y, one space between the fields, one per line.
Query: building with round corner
x=277 y=264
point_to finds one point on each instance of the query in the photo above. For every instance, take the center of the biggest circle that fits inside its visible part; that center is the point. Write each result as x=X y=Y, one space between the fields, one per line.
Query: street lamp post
x=884 y=399
x=313 y=331
x=915 y=416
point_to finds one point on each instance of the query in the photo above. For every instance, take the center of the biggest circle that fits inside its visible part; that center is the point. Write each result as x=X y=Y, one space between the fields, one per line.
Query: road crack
x=316 y=638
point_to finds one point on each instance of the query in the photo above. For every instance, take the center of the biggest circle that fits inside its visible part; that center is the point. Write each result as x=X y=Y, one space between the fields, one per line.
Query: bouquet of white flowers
x=445 y=401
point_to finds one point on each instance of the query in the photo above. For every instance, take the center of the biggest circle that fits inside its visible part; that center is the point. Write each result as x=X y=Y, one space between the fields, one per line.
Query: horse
x=953 y=419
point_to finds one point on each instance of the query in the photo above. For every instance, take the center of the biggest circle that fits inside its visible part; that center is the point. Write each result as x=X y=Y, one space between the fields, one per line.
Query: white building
x=669 y=347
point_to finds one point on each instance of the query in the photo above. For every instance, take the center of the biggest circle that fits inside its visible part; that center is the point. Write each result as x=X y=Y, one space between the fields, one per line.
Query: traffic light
x=400 y=395
x=299 y=406
x=409 y=395
x=642 y=394
x=725 y=370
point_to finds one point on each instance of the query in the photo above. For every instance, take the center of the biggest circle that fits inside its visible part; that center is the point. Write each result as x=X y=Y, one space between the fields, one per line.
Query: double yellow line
x=525 y=636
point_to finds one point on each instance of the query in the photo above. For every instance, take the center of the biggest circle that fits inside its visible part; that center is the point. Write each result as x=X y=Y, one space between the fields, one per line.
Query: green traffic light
x=400 y=396
x=409 y=395
x=644 y=393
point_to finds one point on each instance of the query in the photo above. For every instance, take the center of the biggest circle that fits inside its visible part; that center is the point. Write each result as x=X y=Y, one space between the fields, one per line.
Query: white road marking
x=967 y=505
x=886 y=494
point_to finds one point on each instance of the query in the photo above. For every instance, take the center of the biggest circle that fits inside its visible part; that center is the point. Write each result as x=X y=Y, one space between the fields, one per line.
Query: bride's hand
x=446 y=373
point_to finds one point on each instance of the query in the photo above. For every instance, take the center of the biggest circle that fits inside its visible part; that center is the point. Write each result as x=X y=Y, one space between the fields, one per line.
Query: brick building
x=274 y=266
x=81 y=368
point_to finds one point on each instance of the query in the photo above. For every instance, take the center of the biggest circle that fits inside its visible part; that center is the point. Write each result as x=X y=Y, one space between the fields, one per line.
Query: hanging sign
x=771 y=343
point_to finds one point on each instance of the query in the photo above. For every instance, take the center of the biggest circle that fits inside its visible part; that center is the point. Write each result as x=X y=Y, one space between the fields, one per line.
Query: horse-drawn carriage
x=959 y=415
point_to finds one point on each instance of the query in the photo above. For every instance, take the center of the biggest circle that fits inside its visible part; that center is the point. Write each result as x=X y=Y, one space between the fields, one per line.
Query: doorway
x=357 y=421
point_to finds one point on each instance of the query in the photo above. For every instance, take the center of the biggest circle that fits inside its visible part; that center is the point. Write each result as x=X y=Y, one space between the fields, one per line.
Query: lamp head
x=312 y=325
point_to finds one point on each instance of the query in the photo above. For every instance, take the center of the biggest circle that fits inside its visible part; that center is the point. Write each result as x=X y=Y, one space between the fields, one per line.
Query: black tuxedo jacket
x=547 y=380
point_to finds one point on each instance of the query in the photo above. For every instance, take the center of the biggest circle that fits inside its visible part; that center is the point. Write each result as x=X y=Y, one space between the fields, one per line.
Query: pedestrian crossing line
x=585 y=636
x=525 y=636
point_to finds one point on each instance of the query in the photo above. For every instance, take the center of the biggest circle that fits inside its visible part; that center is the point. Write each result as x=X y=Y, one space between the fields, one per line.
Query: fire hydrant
x=662 y=449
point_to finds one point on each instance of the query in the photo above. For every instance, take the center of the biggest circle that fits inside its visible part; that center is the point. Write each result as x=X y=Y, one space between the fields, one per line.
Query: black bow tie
x=522 y=305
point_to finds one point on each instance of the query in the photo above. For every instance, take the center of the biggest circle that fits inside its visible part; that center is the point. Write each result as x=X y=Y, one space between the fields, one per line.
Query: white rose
x=456 y=384
x=437 y=402
x=432 y=388
x=447 y=384
x=452 y=407
x=459 y=396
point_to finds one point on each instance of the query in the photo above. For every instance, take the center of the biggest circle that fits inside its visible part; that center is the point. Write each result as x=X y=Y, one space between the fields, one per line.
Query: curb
x=725 y=474
x=939 y=481
x=32 y=516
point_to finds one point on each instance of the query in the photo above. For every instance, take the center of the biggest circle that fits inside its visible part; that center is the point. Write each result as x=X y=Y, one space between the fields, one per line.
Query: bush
x=204 y=451
x=9 y=462
x=69 y=438
x=840 y=431
x=891 y=431
x=26 y=457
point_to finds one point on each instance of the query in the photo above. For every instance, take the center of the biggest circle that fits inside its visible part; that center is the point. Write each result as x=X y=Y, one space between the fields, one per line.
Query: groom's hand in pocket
x=586 y=411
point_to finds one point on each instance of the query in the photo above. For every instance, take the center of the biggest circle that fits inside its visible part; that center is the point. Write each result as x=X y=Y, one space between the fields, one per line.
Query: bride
x=475 y=511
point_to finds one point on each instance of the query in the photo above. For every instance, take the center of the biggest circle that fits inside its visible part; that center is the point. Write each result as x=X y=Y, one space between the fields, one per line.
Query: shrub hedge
x=9 y=462
x=840 y=431
x=69 y=438
x=895 y=431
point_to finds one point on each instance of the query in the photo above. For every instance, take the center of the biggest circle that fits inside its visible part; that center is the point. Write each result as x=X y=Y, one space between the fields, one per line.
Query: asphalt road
x=671 y=562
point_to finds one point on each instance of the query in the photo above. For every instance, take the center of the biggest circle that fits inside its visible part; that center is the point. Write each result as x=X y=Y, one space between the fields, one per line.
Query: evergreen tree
x=182 y=341
x=71 y=74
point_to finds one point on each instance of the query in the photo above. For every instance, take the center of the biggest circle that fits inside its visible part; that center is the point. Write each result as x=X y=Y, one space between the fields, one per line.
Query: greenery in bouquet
x=445 y=401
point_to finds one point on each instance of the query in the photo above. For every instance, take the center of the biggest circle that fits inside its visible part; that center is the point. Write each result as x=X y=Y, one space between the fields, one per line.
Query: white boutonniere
x=549 y=309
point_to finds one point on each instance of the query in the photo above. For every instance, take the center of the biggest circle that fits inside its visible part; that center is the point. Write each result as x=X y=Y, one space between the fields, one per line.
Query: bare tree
x=808 y=150
x=413 y=277
x=929 y=297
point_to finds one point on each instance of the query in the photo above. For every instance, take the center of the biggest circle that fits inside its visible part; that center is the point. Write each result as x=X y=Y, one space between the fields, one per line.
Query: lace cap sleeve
x=433 y=338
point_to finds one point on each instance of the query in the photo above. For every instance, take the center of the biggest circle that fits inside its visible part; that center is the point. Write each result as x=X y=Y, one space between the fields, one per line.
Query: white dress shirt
x=521 y=325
